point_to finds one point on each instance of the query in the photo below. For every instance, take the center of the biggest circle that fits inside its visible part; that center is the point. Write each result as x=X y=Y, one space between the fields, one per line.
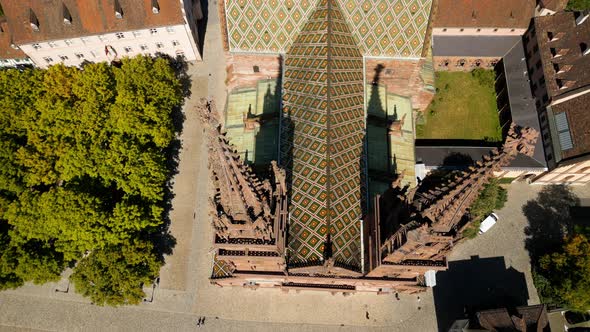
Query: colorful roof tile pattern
x=393 y=28
x=222 y=269
x=322 y=133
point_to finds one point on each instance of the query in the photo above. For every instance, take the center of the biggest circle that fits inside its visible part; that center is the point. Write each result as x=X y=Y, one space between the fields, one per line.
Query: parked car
x=488 y=222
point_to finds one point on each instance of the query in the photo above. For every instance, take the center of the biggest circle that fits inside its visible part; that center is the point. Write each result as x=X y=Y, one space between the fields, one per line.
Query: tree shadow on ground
x=468 y=286
x=161 y=237
x=549 y=220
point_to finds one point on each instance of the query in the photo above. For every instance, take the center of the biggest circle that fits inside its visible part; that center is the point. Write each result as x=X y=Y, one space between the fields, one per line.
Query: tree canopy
x=84 y=172
x=563 y=277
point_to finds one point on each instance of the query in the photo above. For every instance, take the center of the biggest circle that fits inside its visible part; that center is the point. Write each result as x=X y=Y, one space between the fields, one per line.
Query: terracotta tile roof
x=484 y=13
x=568 y=38
x=578 y=116
x=6 y=51
x=89 y=17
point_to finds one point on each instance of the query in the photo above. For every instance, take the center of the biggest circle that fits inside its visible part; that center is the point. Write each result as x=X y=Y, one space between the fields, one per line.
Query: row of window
x=103 y=38
x=478 y=30
x=128 y=49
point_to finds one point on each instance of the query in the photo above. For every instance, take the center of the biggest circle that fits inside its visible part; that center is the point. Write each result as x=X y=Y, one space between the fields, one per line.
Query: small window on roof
x=256 y=69
x=118 y=10
x=33 y=20
x=584 y=48
x=66 y=14
x=155 y=7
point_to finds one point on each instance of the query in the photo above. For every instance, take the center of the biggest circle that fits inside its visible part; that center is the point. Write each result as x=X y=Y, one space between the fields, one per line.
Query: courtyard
x=502 y=259
x=464 y=108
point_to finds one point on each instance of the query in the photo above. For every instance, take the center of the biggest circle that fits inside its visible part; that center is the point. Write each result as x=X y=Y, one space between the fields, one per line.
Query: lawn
x=578 y=4
x=464 y=107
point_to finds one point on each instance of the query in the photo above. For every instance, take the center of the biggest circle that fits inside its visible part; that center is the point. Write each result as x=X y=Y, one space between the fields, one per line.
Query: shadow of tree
x=161 y=237
x=549 y=219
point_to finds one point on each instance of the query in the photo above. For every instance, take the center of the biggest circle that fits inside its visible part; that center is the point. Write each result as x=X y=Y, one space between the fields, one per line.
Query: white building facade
x=74 y=32
x=175 y=40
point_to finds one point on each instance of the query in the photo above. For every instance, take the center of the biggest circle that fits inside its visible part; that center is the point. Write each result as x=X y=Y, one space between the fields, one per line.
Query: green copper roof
x=322 y=137
x=393 y=28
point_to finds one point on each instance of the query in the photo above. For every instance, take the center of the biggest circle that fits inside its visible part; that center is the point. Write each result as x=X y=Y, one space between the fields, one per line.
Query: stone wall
x=459 y=63
x=245 y=70
x=402 y=77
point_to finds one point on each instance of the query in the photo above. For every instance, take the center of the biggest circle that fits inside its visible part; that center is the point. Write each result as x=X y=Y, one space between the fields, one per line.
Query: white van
x=488 y=223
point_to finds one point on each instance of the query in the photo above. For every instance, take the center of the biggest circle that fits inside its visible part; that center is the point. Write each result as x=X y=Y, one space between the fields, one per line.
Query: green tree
x=83 y=169
x=115 y=275
x=563 y=277
x=72 y=221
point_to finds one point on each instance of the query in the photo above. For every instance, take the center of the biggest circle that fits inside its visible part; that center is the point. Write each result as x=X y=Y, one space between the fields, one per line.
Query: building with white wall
x=10 y=54
x=75 y=31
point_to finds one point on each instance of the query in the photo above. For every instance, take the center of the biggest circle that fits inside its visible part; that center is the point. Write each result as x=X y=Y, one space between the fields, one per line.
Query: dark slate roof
x=522 y=104
x=473 y=46
x=459 y=157
x=534 y=318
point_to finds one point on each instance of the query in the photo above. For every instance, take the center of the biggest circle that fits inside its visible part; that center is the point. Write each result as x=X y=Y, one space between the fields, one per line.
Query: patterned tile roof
x=322 y=135
x=222 y=269
x=393 y=28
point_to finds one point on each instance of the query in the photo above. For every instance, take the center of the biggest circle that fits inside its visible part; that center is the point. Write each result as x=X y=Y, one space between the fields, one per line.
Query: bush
x=492 y=197
x=484 y=77
x=578 y=4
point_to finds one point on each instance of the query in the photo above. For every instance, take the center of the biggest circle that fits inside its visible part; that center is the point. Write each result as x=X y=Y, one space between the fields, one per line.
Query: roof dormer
x=33 y=20
x=66 y=15
x=118 y=10
x=155 y=7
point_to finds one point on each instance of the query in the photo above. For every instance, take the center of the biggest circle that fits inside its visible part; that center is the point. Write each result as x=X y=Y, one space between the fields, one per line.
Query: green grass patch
x=463 y=108
x=578 y=5
x=505 y=180
x=492 y=197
